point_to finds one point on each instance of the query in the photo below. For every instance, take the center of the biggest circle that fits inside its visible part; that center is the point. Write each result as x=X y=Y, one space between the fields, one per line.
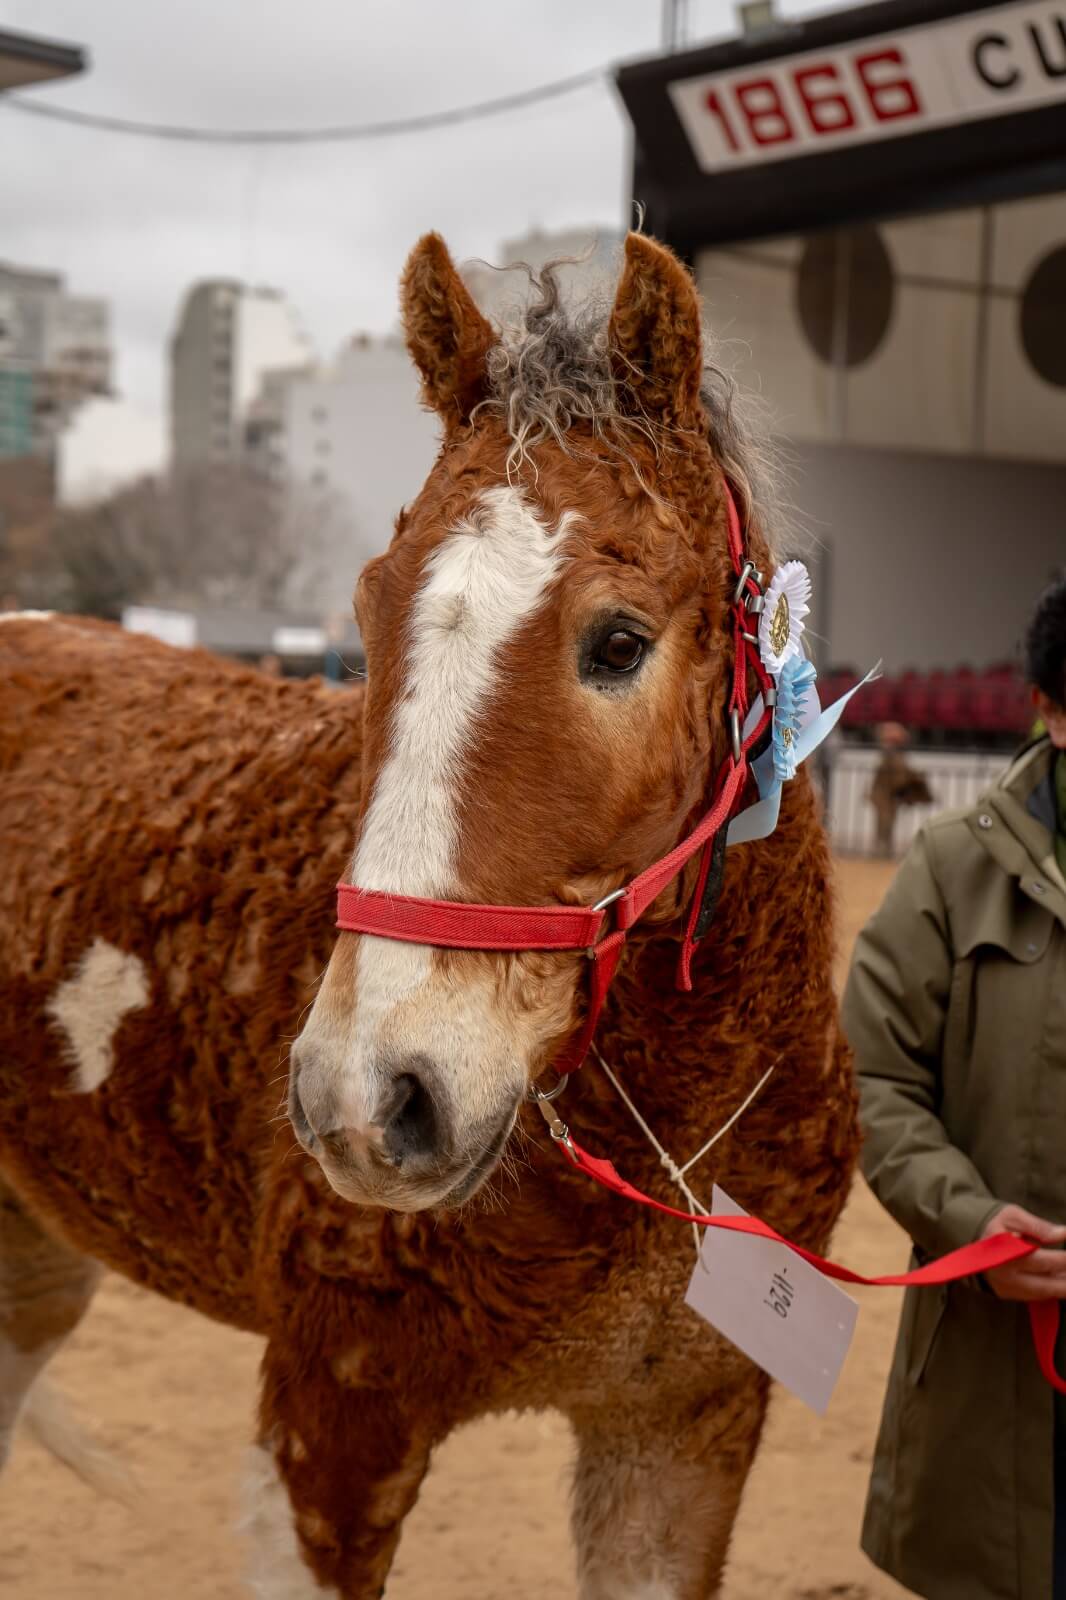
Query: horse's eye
x=621 y=651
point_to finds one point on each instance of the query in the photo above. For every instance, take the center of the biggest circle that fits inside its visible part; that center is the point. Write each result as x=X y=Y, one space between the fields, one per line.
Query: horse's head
x=548 y=660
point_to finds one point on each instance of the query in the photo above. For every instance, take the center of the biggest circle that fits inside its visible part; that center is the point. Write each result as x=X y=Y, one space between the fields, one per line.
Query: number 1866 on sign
x=816 y=100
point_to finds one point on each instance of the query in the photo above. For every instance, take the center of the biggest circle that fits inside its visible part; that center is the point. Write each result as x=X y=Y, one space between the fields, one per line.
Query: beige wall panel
x=929 y=561
x=944 y=247
x=1025 y=416
x=1023 y=233
x=917 y=390
x=751 y=307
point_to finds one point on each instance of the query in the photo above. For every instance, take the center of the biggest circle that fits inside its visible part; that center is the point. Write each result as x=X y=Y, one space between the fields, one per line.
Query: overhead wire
x=336 y=133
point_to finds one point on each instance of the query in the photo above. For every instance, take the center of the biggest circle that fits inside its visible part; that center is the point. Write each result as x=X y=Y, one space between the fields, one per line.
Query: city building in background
x=228 y=337
x=591 y=260
x=357 y=433
x=26 y=479
x=55 y=352
x=107 y=444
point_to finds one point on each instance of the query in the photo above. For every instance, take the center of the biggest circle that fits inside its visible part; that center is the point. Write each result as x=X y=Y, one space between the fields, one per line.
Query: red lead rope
x=966 y=1262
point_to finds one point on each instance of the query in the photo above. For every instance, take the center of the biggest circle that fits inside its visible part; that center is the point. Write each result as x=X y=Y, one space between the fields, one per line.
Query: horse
x=550 y=647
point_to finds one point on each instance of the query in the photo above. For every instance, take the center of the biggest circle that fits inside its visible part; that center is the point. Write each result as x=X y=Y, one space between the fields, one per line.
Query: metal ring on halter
x=734 y=734
x=538 y=1094
x=601 y=905
x=769 y=697
x=747 y=571
x=556 y=1126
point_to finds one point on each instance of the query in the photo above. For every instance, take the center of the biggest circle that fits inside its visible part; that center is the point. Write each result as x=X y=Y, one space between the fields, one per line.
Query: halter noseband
x=456 y=925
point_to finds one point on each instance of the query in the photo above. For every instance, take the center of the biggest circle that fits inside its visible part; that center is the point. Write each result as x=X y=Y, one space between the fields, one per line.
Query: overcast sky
x=138 y=220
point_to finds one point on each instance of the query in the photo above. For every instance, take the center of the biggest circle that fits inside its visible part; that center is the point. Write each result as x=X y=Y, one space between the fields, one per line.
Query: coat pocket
x=924 y=1323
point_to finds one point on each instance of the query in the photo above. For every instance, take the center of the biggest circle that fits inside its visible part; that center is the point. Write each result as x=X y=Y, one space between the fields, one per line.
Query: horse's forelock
x=551 y=372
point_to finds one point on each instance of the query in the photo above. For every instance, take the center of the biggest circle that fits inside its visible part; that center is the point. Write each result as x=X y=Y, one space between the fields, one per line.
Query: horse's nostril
x=297 y=1115
x=408 y=1120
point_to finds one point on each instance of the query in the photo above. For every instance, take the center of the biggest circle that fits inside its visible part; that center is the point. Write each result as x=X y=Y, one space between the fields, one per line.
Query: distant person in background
x=956 y=1009
x=896 y=783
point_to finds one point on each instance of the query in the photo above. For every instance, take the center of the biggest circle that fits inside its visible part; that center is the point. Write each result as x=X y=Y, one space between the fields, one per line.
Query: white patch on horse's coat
x=277 y=1570
x=480 y=585
x=90 y=1006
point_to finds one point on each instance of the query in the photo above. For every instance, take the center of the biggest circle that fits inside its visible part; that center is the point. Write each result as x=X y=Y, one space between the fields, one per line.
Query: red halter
x=455 y=925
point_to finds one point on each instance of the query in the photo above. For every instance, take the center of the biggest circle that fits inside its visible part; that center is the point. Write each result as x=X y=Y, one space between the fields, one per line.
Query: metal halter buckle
x=601 y=905
x=734 y=735
x=754 y=602
x=747 y=571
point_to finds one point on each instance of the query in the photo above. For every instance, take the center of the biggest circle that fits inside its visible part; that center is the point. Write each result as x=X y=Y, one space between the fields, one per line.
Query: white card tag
x=774 y=1306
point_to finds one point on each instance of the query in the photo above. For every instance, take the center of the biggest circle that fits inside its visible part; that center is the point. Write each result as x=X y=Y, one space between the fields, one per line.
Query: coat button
x=1030 y=948
x=984 y=820
x=1039 y=888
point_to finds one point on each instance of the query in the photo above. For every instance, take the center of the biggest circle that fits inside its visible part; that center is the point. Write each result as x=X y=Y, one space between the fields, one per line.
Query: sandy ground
x=174 y=1394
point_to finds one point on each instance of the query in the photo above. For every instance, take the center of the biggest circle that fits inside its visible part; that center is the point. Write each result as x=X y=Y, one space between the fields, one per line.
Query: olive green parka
x=956 y=1009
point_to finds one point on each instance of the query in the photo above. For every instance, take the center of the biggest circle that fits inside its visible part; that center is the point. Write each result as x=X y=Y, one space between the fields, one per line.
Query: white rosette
x=781 y=623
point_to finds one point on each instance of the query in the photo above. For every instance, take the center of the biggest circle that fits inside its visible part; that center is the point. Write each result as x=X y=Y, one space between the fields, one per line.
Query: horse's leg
x=337 y=1469
x=45 y=1290
x=658 y=1484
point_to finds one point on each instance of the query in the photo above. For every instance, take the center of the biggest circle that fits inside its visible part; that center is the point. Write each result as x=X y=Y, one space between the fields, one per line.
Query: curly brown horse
x=549 y=652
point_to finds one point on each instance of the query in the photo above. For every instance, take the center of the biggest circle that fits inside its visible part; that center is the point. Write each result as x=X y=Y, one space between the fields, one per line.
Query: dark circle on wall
x=1043 y=318
x=844 y=294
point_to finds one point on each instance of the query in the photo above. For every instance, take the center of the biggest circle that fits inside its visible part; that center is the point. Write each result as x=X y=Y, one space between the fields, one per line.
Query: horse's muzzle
x=406 y=1155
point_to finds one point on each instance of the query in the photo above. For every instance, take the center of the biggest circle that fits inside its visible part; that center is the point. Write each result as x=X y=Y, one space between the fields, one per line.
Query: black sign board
x=904 y=106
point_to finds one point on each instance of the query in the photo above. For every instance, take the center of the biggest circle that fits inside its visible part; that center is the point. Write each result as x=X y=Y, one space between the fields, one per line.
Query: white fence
x=955 y=779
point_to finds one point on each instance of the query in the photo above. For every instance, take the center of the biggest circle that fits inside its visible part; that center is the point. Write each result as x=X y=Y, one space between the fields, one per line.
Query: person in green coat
x=956 y=1009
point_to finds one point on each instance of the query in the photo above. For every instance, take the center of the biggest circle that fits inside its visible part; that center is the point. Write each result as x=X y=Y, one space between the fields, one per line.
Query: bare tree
x=220 y=536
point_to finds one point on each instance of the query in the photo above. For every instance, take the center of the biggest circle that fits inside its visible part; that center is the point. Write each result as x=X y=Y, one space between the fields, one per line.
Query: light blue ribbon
x=760 y=818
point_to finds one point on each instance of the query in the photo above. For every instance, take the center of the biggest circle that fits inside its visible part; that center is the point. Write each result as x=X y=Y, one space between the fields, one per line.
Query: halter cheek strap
x=598 y=930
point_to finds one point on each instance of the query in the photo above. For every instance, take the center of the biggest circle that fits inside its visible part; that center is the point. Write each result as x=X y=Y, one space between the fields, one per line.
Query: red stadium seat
x=950 y=701
x=914 y=703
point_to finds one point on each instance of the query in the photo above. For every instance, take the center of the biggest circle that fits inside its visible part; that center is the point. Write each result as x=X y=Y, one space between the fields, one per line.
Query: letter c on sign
x=981 y=47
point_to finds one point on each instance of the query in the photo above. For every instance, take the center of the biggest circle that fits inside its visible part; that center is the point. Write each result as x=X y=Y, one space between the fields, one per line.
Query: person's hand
x=1041 y=1276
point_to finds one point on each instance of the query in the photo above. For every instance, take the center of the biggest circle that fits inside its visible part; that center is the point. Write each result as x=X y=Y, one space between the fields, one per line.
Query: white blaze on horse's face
x=541 y=663
x=409 y=1092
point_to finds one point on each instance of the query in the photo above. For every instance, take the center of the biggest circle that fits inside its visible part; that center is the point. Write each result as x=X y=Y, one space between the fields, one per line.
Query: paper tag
x=774 y=1306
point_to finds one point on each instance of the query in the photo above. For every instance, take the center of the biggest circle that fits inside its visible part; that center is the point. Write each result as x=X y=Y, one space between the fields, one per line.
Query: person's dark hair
x=1045 y=644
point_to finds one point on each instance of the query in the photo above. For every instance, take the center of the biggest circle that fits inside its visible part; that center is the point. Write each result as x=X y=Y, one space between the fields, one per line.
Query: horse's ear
x=654 y=335
x=446 y=334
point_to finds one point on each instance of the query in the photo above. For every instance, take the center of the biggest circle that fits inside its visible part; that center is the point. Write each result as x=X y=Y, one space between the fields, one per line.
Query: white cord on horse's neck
x=678 y=1174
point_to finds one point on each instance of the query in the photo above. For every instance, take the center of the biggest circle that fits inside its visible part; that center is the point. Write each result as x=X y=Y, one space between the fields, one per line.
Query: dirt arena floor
x=174 y=1395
